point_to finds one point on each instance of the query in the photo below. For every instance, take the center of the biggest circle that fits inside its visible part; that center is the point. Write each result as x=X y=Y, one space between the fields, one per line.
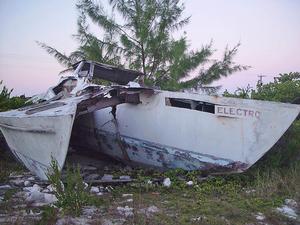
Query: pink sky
x=267 y=29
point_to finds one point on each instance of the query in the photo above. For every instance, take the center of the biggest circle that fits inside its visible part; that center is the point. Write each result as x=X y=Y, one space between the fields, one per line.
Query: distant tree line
x=284 y=88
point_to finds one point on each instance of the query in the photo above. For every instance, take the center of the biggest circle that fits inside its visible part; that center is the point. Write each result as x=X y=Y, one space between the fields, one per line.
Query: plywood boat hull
x=231 y=137
x=35 y=140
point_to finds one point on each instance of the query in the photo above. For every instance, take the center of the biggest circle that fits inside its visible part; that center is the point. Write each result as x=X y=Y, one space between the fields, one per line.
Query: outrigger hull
x=36 y=140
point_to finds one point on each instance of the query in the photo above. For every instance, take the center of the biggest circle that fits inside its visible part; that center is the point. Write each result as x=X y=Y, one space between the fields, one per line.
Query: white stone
x=41 y=198
x=189 y=183
x=50 y=188
x=291 y=202
x=149 y=181
x=49 y=198
x=6 y=186
x=34 y=188
x=129 y=200
x=35 y=196
x=27 y=183
x=127 y=195
x=152 y=209
x=260 y=216
x=125 y=211
x=30 y=178
x=287 y=211
x=167 y=182
x=94 y=189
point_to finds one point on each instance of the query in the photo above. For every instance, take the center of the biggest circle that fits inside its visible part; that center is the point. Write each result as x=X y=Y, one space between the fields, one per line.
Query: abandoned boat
x=144 y=126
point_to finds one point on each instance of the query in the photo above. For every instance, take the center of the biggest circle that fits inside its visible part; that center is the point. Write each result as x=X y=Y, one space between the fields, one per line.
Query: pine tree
x=142 y=40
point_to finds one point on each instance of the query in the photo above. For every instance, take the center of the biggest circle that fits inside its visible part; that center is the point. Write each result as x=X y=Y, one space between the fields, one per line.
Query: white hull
x=35 y=140
x=153 y=133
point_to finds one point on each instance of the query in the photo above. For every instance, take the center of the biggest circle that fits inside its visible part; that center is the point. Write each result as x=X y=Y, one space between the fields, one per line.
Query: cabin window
x=191 y=104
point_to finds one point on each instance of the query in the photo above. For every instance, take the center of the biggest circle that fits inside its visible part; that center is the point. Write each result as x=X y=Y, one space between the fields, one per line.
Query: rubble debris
x=167 y=182
x=27 y=183
x=291 y=203
x=94 y=190
x=5 y=187
x=125 y=211
x=287 y=211
x=260 y=216
x=189 y=183
x=127 y=195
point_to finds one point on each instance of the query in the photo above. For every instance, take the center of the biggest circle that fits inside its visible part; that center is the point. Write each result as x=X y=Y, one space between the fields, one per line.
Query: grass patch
x=49 y=216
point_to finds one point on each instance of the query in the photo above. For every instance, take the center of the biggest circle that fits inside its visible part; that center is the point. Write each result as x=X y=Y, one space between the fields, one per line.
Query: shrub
x=72 y=195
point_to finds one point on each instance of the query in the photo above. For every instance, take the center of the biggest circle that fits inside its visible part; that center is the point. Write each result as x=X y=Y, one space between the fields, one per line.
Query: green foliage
x=142 y=40
x=72 y=195
x=240 y=93
x=285 y=88
x=49 y=216
x=7 y=102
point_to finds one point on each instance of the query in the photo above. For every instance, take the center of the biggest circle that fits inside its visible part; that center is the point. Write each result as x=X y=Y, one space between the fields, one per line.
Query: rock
x=149 y=182
x=89 y=210
x=94 y=189
x=41 y=198
x=1 y=199
x=107 y=177
x=125 y=178
x=27 y=183
x=287 y=211
x=5 y=187
x=189 y=183
x=127 y=195
x=291 y=203
x=129 y=200
x=50 y=188
x=85 y=185
x=200 y=218
x=49 y=198
x=100 y=193
x=30 y=178
x=152 y=209
x=93 y=176
x=259 y=216
x=167 y=182
x=34 y=188
x=125 y=211
x=118 y=221
x=17 y=182
x=74 y=221
x=35 y=196
x=250 y=191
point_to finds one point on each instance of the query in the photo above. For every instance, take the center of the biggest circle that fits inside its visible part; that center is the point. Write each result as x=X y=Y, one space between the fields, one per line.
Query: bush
x=72 y=195
x=7 y=102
